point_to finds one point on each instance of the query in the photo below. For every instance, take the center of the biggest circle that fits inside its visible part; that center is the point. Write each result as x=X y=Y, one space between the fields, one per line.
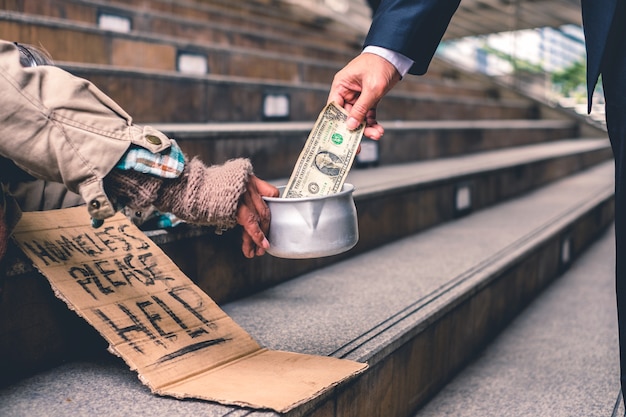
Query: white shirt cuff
x=402 y=63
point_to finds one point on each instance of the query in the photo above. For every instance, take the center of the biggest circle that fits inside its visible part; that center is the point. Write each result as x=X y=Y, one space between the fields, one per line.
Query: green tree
x=518 y=64
x=570 y=80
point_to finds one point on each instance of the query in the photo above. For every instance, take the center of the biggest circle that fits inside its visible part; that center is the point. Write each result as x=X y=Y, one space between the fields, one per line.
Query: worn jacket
x=61 y=128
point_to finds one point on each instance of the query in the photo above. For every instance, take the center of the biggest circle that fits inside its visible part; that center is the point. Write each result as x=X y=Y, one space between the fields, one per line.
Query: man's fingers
x=374 y=132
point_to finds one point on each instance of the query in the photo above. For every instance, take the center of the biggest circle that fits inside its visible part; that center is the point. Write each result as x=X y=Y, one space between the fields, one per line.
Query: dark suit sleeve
x=413 y=28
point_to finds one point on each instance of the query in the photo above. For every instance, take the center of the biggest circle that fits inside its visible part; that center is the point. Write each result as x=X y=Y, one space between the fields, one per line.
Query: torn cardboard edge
x=160 y=323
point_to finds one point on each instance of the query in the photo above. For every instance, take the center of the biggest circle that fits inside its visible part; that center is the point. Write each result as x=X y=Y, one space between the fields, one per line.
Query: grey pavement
x=559 y=358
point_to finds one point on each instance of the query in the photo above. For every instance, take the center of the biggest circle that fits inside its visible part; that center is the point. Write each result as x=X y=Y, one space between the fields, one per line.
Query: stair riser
x=207 y=22
x=273 y=154
x=407 y=146
x=37 y=329
x=198 y=100
x=133 y=51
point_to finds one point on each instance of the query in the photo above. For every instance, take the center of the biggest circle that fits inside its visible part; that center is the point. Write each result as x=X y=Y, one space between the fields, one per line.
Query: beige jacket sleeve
x=62 y=128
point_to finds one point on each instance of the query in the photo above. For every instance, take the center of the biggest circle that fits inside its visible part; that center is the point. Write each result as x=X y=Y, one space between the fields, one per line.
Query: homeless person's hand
x=254 y=216
x=219 y=195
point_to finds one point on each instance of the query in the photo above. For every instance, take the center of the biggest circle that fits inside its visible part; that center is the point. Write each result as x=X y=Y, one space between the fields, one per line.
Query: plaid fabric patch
x=165 y=165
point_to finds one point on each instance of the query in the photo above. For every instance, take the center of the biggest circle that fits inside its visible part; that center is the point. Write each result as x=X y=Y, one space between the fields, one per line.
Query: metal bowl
x=312 y=227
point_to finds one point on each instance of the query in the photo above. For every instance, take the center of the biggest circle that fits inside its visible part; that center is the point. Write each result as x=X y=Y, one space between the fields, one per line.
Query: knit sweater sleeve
x=200 y=195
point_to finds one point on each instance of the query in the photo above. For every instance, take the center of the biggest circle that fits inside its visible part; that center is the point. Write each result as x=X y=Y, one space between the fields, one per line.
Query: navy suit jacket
x=597 y=18
x=415 y=27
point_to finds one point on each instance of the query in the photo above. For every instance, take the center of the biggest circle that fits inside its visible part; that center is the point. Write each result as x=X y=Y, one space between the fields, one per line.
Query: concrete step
x=215 y=98
x=161 y=51
x=278 y=19
x=159 y=48
x=152 y=47
x=103 y=50
x=149 y=25
x=392 y=203
x=416 y=310
x=273 y=147
x=159 y=34
x=108 y=51
x=193 y=20
x=559 y=358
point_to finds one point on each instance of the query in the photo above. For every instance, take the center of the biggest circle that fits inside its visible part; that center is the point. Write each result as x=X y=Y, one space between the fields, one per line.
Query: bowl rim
x=346 y=189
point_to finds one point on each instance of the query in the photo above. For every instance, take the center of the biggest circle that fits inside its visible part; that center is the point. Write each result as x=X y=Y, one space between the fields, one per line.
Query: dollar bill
x=327 y=156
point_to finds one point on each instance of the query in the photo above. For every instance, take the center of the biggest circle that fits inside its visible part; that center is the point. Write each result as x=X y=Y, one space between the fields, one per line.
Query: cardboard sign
x=163 y=325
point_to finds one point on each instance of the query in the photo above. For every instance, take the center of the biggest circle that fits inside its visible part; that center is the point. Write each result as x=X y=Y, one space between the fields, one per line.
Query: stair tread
x=346 y=309
x=559 y=357
x=412 y=173
x=380 y=179
x=323 y=312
